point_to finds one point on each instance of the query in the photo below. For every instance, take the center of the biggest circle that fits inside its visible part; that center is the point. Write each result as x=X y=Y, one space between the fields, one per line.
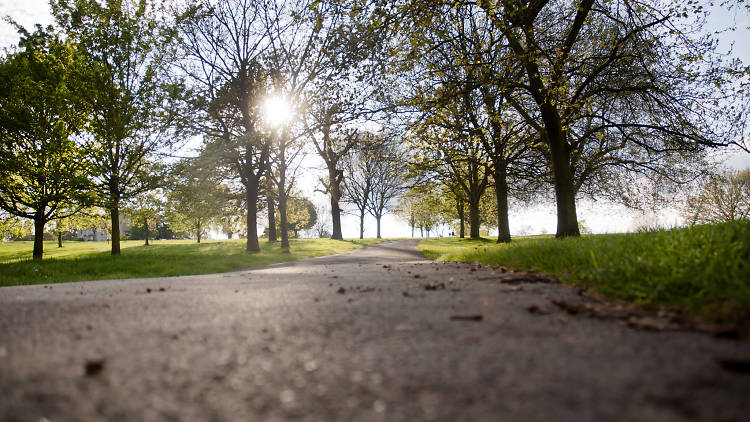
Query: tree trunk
x=284 y=223
x=59 y=239
x=421 y=231
x=362 y=224
x=461 y=219
x=114 y=217
x=39 y=223
x=474 y=218
x=199 y=232
x=378 y=217
x=567 y=220
x=501 y=193
x=251 y=205
x=336 y=219
x=271 y=220
x=412 y=230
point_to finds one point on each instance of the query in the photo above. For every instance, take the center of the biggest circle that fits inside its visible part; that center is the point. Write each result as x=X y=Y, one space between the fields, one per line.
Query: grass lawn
x=704 y=270
x=79 y=261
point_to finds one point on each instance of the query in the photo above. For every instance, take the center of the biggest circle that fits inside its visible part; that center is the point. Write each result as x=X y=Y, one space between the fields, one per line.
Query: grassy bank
x=702 y=269
x=79 y=261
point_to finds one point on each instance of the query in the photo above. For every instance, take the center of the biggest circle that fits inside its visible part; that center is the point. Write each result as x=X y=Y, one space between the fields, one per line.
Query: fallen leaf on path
x=341 y=290
x=94 y=367
x=434 y=286
x=467 y=317
x=536 y=310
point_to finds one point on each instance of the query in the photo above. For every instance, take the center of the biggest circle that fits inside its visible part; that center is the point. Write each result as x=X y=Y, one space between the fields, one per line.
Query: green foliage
x=132 y=100
x=146 y=211
x=197 y=198
x=80 y=261
x=43 y=172
x=301 y=214
x=701 y=269
x=13 y=227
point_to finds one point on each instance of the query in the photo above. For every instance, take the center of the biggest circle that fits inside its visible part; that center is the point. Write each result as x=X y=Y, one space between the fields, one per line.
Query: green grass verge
x=703 y=270
x=80 y=261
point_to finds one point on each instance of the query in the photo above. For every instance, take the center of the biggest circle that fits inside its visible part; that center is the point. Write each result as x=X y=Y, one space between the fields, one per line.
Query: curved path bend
x=377 y=334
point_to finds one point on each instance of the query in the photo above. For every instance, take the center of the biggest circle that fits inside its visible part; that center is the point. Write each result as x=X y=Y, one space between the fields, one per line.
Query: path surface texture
x=376 y=334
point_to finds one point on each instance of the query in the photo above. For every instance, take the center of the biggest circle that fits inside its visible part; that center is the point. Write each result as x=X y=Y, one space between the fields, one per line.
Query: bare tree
x=387 y=177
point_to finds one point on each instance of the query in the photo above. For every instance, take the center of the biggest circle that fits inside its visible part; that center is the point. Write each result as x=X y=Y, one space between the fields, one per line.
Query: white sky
x=600 y=217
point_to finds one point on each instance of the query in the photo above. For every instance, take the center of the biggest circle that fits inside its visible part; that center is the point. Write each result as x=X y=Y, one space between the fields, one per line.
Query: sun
x=277 y=111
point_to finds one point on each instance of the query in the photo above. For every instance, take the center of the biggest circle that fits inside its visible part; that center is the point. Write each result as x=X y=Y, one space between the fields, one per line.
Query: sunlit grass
x=702 y=269
x=79 y=261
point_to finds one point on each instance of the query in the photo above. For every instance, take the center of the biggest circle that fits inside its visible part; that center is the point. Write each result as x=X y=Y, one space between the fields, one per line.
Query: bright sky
x=600 y=217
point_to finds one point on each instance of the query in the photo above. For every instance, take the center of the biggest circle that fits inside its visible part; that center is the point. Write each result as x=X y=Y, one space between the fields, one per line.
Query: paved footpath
x=376 y=334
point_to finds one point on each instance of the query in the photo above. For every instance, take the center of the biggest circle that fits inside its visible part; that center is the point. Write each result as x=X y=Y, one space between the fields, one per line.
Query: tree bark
x=199 y=231
x=461 y=219
x=378 y=217
x=114 y=217
x=567 y=220
x=362 y=225
x=501 y=193
x=271 y=220
x=336 y=218
x=59 y=239
x=474 y=218
x=251 y=206
x=284 y=223
x=39 y=223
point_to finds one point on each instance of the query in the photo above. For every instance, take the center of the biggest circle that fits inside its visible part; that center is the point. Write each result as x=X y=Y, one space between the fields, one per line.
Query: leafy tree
x=723 y=197
x=13 y=227
x=146 y=211
x=197 y=198
x=131 y=98
x=610 y=85
x=302 y=214
x=407 y=209
x=43 y=167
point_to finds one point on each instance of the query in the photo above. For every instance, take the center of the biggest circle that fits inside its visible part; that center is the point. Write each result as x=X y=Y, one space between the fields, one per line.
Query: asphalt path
x=379 y=333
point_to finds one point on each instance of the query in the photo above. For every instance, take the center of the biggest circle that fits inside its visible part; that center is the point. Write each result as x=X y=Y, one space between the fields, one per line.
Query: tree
x=43 y=167
x=147 y=210
x=302 y=214
x=341 y=98
x=609 y=85
x=387 y=177
x=723 y=197
x=133 y=103
x=454 y=64
x=196 y=199
x=360 y=166
x=13 y=227
x=223 y=43
x=407 y=209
